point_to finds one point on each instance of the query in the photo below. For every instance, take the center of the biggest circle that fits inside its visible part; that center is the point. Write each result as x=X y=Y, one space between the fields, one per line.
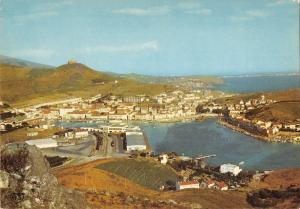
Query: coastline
x=201 y=118
x=174 y=120
x=258 y=137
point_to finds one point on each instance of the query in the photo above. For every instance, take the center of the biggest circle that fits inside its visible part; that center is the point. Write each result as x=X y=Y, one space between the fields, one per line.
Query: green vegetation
x=147 y=173
x=285 y=109
x=21 y=63
x=209 y=80
x=24 y=86
x=290 y=95
x=20 y=135
x=278 y=112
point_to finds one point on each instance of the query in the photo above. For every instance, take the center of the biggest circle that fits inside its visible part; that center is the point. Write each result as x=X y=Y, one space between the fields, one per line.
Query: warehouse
x=42 y=143
x=135 y=142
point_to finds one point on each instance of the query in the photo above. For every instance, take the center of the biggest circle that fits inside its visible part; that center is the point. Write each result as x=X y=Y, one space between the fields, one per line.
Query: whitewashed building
x=64 y=111
x=163 y=159
x=230 y=168
x=187 y=185
x=81 y=133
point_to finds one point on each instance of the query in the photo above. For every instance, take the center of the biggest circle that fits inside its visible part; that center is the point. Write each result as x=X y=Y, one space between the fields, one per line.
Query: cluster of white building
x=162 y=107
x=238 y=112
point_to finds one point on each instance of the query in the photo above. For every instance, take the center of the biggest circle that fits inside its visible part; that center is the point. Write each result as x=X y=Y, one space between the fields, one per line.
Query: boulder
x=24 y=172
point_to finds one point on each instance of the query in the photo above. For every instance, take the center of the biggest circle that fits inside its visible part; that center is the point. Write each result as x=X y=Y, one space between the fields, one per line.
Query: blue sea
x=259 y=83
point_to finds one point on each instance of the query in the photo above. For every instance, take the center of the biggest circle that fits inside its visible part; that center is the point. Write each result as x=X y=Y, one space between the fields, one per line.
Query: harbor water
x=209 y=137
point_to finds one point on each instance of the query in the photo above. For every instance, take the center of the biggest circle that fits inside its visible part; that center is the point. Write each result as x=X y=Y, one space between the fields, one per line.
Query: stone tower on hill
x=72 y=61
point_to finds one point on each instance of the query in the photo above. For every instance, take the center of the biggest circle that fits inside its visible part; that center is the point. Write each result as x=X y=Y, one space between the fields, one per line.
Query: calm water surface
x=208 y=137
x=259 y=83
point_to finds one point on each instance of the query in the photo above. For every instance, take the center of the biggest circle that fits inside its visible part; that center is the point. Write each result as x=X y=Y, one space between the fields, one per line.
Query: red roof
x=222 y=184
x=188 y=182
x=210 y=182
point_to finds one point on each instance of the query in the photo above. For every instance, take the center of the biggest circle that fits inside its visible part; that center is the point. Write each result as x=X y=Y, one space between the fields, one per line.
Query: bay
x=259 y=83
x=209 y=137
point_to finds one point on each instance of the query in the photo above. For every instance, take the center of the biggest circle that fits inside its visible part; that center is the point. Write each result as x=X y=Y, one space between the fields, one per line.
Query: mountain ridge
x=21 y=62
x=25 y=85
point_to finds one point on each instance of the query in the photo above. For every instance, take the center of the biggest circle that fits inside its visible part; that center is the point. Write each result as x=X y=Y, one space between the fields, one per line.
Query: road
x=105 y=151
x=86 y=151
x=118 y=144
x=80 y=150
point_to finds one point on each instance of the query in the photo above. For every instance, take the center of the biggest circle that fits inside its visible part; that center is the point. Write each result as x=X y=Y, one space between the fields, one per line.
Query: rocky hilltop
x=25 y=181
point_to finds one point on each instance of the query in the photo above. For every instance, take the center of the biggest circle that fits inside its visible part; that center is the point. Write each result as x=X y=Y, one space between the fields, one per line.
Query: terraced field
x=147 y=173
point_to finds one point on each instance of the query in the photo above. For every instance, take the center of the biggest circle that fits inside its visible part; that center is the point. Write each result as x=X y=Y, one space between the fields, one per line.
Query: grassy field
x=213 y=80
x=20 y=135
x=25 y=86
x=277 y=112
x=88 y=177
x=147 y=173
x=286 y=108
x=210 y=198
x=286 y=95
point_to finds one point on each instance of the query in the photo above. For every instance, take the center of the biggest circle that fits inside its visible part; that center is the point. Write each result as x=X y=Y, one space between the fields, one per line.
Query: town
x=236 y=117
x=107 y=131
x=165 y=107
x=44 y=124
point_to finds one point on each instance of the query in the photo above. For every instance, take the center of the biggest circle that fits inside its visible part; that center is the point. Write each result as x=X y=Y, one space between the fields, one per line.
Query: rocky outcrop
x=25 y=181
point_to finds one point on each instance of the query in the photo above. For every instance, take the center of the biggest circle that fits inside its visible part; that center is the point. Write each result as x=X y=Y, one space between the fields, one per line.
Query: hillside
x=21 y=62
x=280 y=96
x=141 y=172
x=104 y=189
x=277 y=112
x=24 y=85
x=285 y=109
x=108 y=190
x=279 y=189
x=208 y=80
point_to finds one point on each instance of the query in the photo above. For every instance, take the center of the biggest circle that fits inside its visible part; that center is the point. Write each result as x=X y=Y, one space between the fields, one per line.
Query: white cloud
x=281 y=2
x=256 y=13
x=193 y=7
x=189 y=4
x=35 y=15
x=249 y=15
x=43 y=10
x=151 y=45
x=34 y=53
x=153 y=11
x=188 y=7
x=200 y=11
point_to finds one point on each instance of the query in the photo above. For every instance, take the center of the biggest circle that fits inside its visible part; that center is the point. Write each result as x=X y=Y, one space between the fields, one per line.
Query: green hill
x=21 y=62
x=25 y=85
x=282 y=112
x=286 y=108
x=208 y=80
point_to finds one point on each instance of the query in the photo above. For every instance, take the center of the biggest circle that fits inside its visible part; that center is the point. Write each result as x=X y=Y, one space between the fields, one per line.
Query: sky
x=155 y=37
